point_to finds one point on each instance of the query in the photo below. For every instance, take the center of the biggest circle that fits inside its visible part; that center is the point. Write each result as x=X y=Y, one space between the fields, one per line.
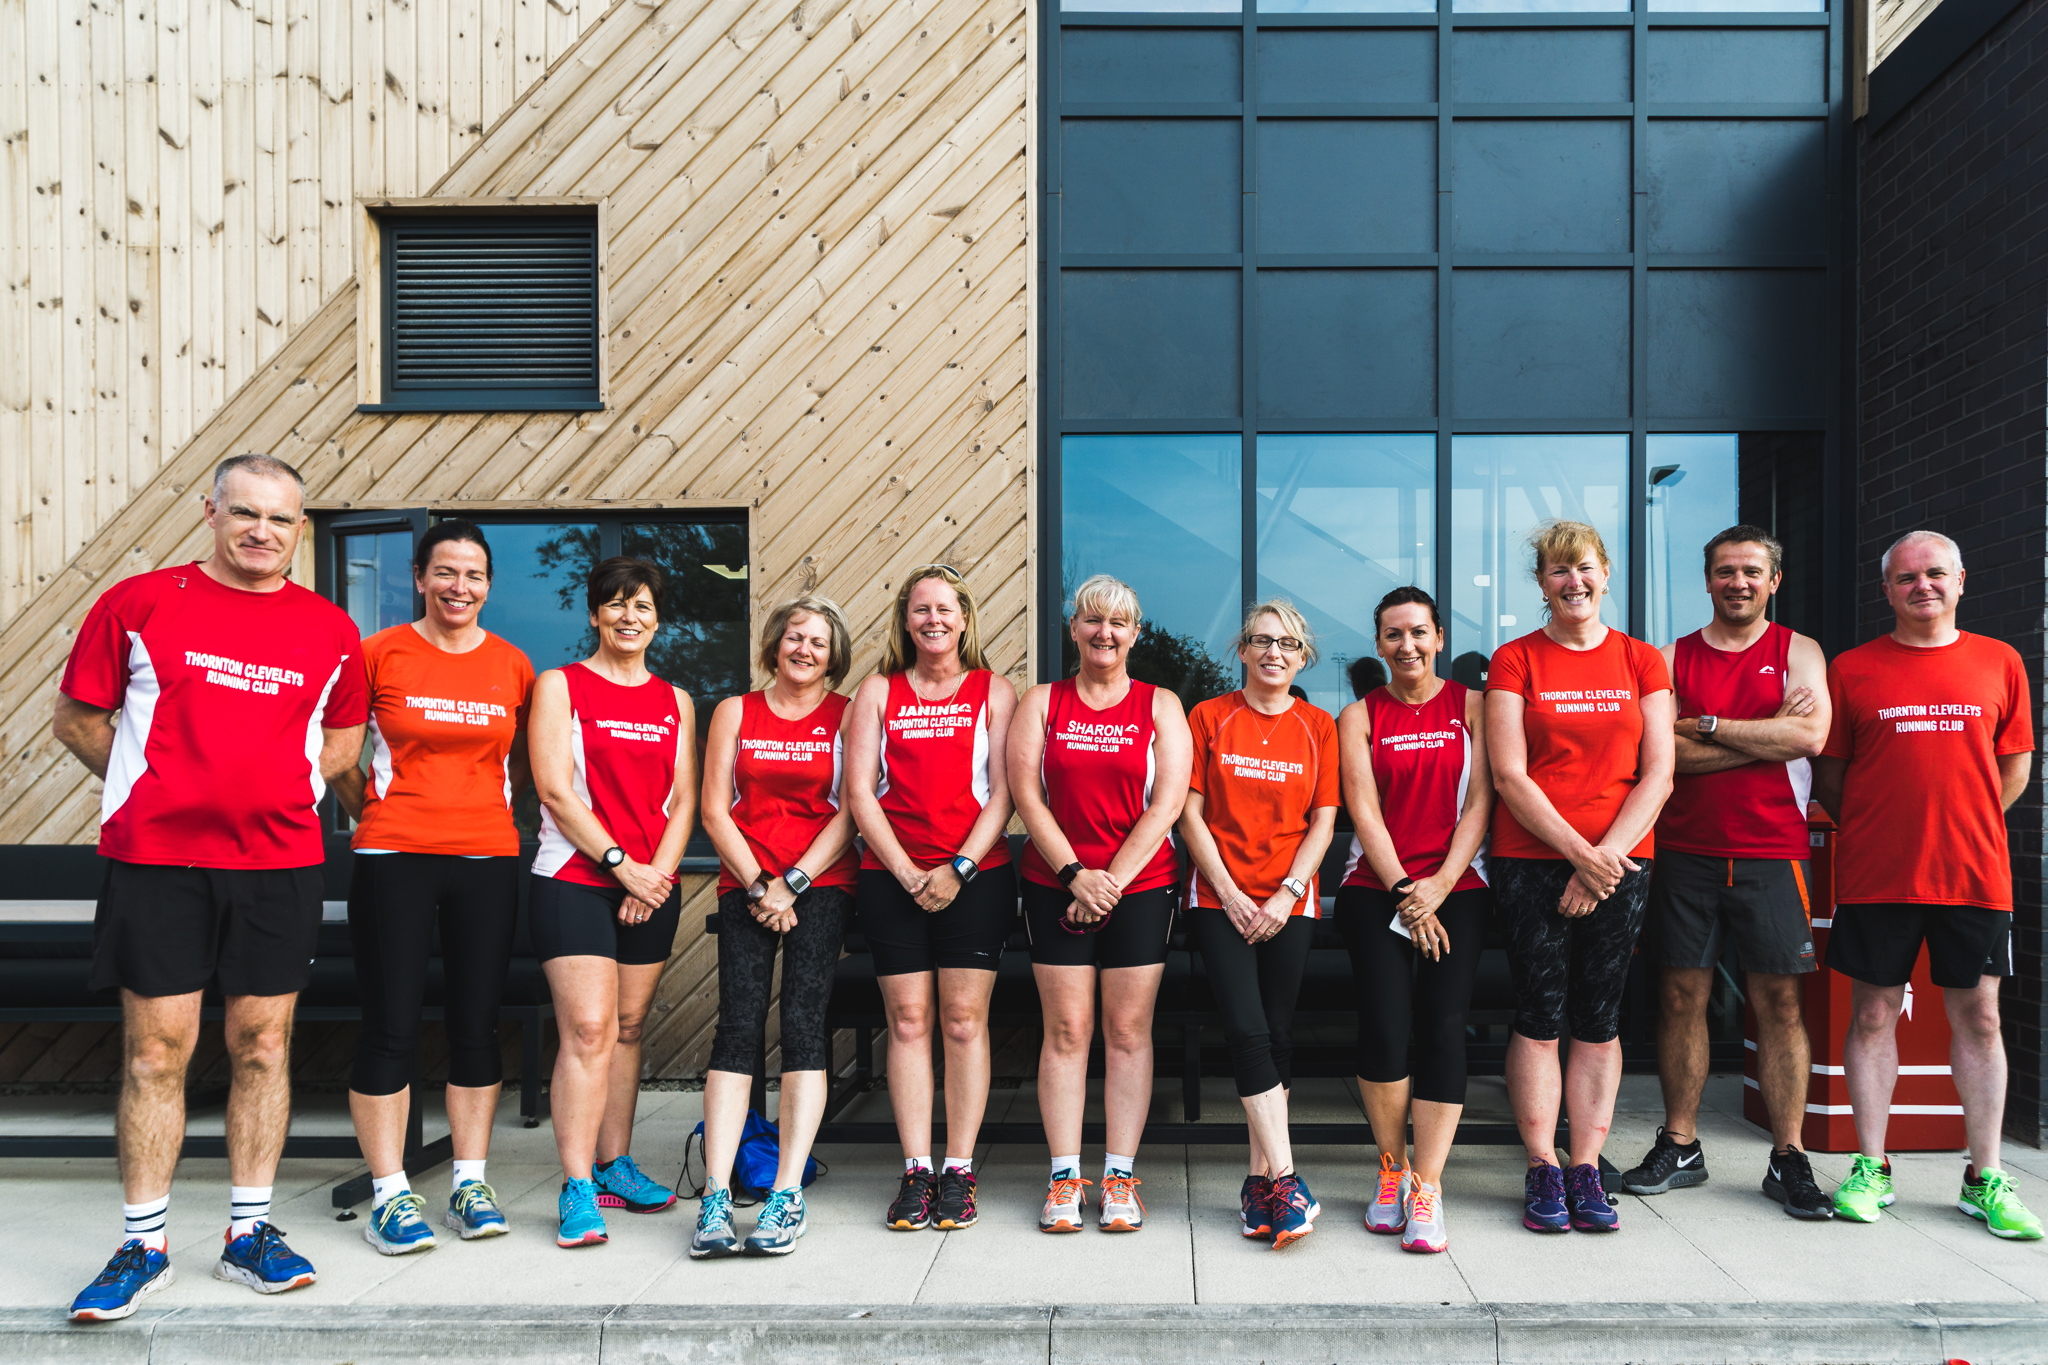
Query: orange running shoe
x=1063 y=1204
x=1122 y=1210
x=1388 y=1211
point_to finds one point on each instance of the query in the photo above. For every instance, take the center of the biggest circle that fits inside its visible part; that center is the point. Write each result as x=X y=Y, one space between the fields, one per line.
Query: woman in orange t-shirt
x=435 y=846
x=1262 y=804
x=1578 y=720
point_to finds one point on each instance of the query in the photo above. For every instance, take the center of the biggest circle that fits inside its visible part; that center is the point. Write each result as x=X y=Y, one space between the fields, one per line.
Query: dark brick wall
x=1952 y=392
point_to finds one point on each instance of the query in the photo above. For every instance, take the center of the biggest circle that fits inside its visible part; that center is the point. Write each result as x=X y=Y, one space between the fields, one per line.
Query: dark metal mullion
x=1051 y=443
x=1445 y=589
x=1838 y=566
x=1248 y=322
x=1639 y=328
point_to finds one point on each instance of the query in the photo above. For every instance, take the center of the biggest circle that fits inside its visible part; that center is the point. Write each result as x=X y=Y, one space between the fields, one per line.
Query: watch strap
x=966 y=872
x=797 y=879
x=1068 y=873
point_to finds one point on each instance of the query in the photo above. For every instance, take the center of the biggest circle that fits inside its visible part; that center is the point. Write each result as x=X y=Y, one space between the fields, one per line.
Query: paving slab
x=1709 y=1334
x=814 y=1335
x=320 y=1334
x=1309 y=1335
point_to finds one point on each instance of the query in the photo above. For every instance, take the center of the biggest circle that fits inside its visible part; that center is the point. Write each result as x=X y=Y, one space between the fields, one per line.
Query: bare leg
x=586 y=993
x=622 y=1090
x=1386 y=1109
x=259 y=1039
x=803 y=1109
x=1592 y=1076
x=1977 y=1058
x=1784 y=1054
x=158 y=1034
x=1681 y=1048
x=1535 y=1090
x=1067 y=996
x=726 y=1094
x=1128 y=997
x=963 y=1019
x=1870 y=1060
x=1272 y=1153
x=1436 y=1125
x=908 y=1002
x=472 y=1109
x=380 y=1129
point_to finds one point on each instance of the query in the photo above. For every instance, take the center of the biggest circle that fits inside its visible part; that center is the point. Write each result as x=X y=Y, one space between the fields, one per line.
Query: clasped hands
x=1596 y=874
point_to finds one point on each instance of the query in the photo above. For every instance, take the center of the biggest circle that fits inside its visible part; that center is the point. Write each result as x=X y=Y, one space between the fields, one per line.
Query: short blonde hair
x=838 y=663
x=899 y=651
x=1291 y=621
x=1558 y=541
x=1110 y=596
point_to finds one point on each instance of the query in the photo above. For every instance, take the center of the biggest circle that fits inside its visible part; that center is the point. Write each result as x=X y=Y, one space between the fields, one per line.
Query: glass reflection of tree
x=1178 y=663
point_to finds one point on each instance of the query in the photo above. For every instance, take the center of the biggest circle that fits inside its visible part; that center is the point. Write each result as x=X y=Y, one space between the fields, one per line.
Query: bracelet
x=758 y=888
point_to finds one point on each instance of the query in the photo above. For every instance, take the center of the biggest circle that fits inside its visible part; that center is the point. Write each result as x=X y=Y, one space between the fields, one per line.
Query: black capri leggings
x=1255 y=986
x=1404 y=996
x=1567 y=970
x=395 y=902
x=746 y=969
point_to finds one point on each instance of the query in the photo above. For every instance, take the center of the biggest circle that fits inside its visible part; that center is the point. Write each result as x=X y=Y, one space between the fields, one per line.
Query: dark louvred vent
x=493 y=311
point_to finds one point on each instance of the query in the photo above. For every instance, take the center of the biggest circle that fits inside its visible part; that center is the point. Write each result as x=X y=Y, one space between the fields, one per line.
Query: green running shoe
x=1867 y=1190
x=1992 y=1198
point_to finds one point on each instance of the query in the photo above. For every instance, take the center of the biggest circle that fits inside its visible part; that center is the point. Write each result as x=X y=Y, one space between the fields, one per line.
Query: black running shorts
x=1697 y=903
x=1134 y=935
x=1878 y=944
x=573 y=920
x=175 y=930
x=905 y=937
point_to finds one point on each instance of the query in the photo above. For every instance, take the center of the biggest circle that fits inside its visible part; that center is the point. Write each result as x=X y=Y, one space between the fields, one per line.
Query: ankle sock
x=248 y=1205
x=1069 y=1166
x=385 y=1188
x=466 y=1171
x=962 y=1164
x=1112 y=1164
x=145 y=1222
x=917 y=1163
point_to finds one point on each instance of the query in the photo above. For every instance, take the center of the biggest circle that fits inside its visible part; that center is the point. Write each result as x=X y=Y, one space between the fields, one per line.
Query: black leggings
x=746 y=969
x=1568 y=970
x=395 y=902
x=1255 y=986
x=1402 y=994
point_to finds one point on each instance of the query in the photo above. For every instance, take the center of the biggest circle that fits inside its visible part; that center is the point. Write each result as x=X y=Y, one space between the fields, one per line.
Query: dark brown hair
x=622 y=576
x=1406 y=596
x=1748 y=535
x=443 y=531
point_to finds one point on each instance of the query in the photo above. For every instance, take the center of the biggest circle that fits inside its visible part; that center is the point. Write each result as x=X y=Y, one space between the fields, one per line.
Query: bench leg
x=1191 y=1072
x=863 y=1053
x=531 y=1027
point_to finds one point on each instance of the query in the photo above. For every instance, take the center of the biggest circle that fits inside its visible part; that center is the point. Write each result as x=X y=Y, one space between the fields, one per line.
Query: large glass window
x=373 y=582
x=1698 y=486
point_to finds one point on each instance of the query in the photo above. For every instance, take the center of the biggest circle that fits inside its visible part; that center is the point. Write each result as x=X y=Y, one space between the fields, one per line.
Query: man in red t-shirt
x=1931 y=743
x=215 y=701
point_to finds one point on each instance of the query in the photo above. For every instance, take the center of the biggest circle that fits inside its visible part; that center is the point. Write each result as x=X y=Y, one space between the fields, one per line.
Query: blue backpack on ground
x=753 y=1166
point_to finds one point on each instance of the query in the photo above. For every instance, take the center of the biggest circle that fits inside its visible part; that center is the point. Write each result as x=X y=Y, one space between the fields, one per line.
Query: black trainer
x=956 y=1200
x=1789 y=1180
x=1669 y=1166
x=912 y=1210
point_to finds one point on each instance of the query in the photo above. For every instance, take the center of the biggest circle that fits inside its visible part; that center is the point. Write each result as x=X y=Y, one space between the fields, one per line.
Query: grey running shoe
x=1388 y=1211
x=1064 y=1202
x=1425 y=1230
x=714 y=1235
x=1122 y=1210
x=781 y=1222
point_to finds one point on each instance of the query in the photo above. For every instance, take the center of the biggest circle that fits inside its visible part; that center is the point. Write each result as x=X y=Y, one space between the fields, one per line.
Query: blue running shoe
x=1588 y=1200
x=135 y=1272
x=398 y=1226
x=1543 y=1202
x=582 y=1224
x=1255 y=1207
x=781 y=1222
x=1294 y=1210
x=714 y=1235
x=473 y=1212
x=261 y=1260
x=623 y=1185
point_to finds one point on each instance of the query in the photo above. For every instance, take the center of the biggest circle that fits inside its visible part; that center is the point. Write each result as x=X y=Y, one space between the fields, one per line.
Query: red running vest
x=1759 y=809
x=1097 y=772
x=1422 y=765
x=785 y=788
x=623 y=740
x=934 y=778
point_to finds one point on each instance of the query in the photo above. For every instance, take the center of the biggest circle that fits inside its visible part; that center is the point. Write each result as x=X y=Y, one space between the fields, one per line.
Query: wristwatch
x=966 y=867
x=1707 y=726
x=797 y=880
x=1404 y=886
x=613 y=856
x=1068 y=873
x=758 y=888
x=1296 y=887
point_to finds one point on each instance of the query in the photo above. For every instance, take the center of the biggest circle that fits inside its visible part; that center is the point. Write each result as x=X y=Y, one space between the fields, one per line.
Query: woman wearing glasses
x=924 y=756
x=1099 y=771
x=1262 y=803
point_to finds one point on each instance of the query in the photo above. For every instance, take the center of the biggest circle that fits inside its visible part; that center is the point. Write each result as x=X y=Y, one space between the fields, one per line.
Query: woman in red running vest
x=786 y=876
x=1414 y=905
x=1099 y=771
x=924 y=778
x=615 y=764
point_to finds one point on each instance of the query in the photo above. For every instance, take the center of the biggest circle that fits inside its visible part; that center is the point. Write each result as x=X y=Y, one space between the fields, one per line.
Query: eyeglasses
x=1261 y=643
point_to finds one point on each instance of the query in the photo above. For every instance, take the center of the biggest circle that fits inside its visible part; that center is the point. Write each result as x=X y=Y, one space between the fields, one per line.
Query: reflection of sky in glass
x=1161 y=513
x=1737 y=6
x=1342 y=520
x=1347 y=6
x=1152 y=6
x=377 y=579
x=1538 y=6
x=1501 y=486
x=527 y=606
x=1694 y=501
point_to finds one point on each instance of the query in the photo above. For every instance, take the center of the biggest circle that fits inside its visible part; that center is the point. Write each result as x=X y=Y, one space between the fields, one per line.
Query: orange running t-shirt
x=1921 y=821
x=1261 y=777
x=1583 y=719
x=441 y=731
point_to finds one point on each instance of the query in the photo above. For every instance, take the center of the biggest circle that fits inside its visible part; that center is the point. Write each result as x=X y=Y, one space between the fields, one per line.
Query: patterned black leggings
x=746 y=972
x=1563 y=968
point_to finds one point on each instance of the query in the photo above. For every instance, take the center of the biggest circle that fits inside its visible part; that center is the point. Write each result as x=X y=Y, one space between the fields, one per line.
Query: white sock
x=144 y=1223
x=917 y=1163
x=1065 y=1165
x=466 y=1171
x=962 y=1164
x=1112 y=1164
x=248 y=1205
x=385 y=1188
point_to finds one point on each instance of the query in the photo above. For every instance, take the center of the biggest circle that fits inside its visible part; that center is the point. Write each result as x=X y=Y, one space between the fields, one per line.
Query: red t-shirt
x=1923 y=730
x=623 y=744
x=1261 y=777
x=785 y=788
x=1422 y=767
x=1583 y=719
x=1097 y=771
x=222 y=694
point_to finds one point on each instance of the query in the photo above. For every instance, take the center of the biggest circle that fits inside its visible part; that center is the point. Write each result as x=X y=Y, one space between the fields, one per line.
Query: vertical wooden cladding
x=818 y=276
x=179 y=180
